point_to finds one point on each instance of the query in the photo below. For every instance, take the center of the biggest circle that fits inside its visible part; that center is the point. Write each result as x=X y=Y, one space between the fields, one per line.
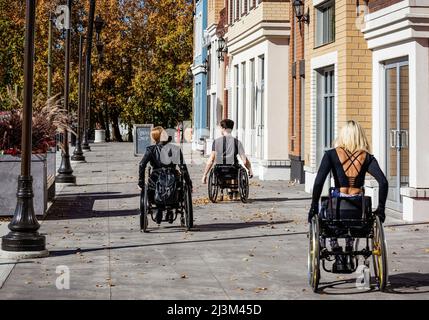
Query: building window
x=237 y=93
x=294 y=108
x=243 y=94
x=302 y=79
x=208 y=111
x=325 y=23
x=209 y=69
x=253 y=94
x=231 y=11
x=262 y=88
x=328 y=97
x=197 y=104
x=244 y=6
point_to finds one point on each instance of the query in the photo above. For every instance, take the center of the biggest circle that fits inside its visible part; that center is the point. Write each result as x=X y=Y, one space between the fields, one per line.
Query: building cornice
x=198 y=69
x=259 y=32
x=400 y=22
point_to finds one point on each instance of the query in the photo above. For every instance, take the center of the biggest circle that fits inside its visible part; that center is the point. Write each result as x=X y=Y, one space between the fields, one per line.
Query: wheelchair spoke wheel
x=144 y=210
x=189 y=213
x=314 y=254
x=243 y=185
x=213 y=187
x=379 y=255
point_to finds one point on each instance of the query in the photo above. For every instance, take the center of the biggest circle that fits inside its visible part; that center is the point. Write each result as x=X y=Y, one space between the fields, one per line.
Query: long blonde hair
x=352 y=137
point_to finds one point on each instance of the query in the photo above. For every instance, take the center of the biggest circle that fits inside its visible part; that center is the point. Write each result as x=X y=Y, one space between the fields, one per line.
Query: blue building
x=199 y=71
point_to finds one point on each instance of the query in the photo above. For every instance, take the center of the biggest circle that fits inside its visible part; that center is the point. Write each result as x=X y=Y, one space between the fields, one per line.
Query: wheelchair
x=234 y=177
x=183 y=207
x=342 y=217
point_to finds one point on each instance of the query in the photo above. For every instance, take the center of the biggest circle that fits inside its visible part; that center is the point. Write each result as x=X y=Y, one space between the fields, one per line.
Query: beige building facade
x=258 y=47
x=397 y=33
x=338 y=78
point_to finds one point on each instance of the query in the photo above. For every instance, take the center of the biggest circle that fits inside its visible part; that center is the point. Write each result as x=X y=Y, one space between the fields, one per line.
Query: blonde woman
x=162 y=155
x=349 y=162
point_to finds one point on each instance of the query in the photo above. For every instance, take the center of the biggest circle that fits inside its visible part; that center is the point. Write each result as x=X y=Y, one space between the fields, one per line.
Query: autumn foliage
x=144 y=76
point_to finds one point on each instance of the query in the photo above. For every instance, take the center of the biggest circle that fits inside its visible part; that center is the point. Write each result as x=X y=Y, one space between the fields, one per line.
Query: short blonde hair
x=156 y=133
x=352 y=137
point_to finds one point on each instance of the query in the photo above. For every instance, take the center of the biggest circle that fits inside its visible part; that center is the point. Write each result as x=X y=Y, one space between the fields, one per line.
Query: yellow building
x=338 y=77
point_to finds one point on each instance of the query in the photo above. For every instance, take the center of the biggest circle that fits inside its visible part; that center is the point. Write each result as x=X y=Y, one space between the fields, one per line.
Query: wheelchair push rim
x=314 y=254
x=243 y=184
x=213 y=187
x=144 y=210
x=189 y=214
x=379 y=255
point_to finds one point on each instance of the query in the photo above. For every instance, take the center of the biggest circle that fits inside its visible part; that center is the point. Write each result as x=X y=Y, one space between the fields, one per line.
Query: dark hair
x=227 y=124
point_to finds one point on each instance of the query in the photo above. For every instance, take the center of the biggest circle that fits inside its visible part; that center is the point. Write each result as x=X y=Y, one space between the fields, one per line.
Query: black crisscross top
x=349 y=173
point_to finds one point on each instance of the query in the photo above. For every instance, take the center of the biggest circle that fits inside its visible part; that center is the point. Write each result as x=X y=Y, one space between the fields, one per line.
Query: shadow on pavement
x=343 y=287
x=277 y=199
x=80 y=206
x=410 y=281
x=236 y=225
x=57 y=253
x=405 y=283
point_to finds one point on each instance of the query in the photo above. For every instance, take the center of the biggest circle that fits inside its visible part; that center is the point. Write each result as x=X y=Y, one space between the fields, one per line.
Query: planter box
x=10 y=169
x=100 y=136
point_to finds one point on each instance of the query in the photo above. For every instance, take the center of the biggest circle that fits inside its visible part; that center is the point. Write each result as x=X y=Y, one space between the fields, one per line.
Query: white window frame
x=325 y=23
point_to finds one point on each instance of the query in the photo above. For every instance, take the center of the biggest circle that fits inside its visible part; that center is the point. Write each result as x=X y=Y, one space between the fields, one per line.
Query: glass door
x=325 y=116
x=260 y=110
x=397 y=129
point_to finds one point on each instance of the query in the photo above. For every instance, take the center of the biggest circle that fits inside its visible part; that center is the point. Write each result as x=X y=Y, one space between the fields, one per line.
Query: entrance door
x=325 y=112
x=325 y=115
x=397 y=128
x=260 y=110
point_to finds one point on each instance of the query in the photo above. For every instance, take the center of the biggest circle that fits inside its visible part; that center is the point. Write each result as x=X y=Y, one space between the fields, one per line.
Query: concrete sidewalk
x=256 y=250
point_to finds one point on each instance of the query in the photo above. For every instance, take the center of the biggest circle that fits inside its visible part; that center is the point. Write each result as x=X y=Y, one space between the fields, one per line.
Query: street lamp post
x=24 y=239
x=87 y=85
x=51 y=22
x=298 y=6
x=65 y=171
x=78 y=153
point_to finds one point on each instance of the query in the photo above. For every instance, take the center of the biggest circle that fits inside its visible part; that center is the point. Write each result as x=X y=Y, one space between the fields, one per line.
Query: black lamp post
x=298 y=6
x=87 y=85
x=65 y=171
x=78 y=153
x=24 y=238
x=206 y=65
x=221 y=49
x=99 y=25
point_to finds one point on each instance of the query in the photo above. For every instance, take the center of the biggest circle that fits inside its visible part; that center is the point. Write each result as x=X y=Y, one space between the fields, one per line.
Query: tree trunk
x=130 y=133
x=116 y=134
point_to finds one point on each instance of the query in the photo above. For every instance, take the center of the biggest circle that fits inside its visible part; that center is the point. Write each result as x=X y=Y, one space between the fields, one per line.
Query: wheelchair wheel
x=189 y=213
x=314 y=254
x=144 y=210
x=213 y=187
x=379 y=255
x=243 y=185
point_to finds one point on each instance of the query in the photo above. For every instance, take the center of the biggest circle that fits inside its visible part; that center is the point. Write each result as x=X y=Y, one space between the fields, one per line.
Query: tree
x=144 y=76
